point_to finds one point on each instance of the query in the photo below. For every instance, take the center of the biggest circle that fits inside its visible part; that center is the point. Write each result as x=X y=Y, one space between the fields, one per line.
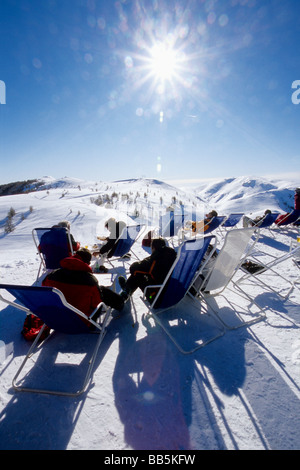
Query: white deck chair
x=237 y=245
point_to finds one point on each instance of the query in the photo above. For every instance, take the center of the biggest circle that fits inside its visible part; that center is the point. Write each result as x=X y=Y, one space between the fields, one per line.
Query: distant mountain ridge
x=244 y=193
x=19 y=187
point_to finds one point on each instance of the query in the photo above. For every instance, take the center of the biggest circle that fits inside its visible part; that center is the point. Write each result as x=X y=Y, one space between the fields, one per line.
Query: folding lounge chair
x=232 y=220
x=214 y=224
x=53 y=244
x=290 y=218
x=208 y=228
x=178 y=282
x=267 y=221
x=125 y=242
x=237 y=246
x=50 y=305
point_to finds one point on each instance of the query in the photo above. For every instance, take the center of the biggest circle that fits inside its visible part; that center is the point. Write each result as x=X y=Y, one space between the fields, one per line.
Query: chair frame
x=100 y=329
x=267 y=221
x=116 y=257
x=289 y=219
x=270 y=266
x=150 y=313
x=229 y=223
x=205 y=294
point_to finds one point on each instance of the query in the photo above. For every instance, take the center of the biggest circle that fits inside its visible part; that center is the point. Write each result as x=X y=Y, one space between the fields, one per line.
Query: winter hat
x=84 y=254
x=213 y=214
x=158 y=243
x=64 y=223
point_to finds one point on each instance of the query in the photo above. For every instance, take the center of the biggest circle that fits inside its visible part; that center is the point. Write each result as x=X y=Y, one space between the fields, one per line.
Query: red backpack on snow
x=32 y=326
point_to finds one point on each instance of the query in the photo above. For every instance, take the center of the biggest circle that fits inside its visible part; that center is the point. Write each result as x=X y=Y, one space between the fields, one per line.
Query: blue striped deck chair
x=125 y=242
x=232 y=220
x=50 y=305
x=53 y=245
x=268 y=220
x=214 y=224
x=177 y=284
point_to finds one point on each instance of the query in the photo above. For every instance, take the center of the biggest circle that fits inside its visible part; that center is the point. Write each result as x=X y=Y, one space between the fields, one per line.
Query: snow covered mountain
x=240 y=194
x=248 y=195
x=239 y=392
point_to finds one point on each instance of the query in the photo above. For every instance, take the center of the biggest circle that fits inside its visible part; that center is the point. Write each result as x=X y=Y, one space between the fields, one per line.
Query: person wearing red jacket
x=79 y=286
x=281 y=218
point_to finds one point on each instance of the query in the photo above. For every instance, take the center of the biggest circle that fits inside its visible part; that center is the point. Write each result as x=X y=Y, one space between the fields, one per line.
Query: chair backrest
x=53 y=244
x=50 y=305
x=126 y=240
x=290 y=218
x=237 y=244
x=183 y=272
x=215 y=223
x=268 y=220
x=233 y=219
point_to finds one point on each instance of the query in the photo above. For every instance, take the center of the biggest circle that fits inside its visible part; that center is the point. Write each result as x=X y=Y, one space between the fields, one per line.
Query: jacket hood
x=75 y=264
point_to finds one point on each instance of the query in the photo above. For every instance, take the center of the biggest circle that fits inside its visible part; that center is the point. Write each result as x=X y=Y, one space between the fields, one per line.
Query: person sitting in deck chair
x=150 y=271
x=66 y=224
x=107 y=250
x=48 y=238
x=248 y=222
x=79 y=286
x=203 y=225
x=283 y=217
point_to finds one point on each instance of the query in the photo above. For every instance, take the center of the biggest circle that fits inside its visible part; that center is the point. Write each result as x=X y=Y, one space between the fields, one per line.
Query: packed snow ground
x=239 y=392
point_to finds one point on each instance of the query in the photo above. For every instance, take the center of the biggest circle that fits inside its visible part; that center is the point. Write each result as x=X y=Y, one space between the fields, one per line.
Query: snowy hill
x=239 y=392
x=244 y=194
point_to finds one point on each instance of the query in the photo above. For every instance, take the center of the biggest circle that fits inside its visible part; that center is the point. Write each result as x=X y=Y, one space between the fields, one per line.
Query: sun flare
x=163 y=62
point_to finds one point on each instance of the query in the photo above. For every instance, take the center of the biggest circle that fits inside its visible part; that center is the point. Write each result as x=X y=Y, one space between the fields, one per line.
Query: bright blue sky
x=85 y=99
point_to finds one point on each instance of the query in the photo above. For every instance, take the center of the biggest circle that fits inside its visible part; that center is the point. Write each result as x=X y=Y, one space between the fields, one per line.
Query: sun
x=162 y=67
x=163 y=62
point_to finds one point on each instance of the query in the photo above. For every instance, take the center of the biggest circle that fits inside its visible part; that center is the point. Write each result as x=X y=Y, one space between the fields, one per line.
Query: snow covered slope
x=239 y=392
